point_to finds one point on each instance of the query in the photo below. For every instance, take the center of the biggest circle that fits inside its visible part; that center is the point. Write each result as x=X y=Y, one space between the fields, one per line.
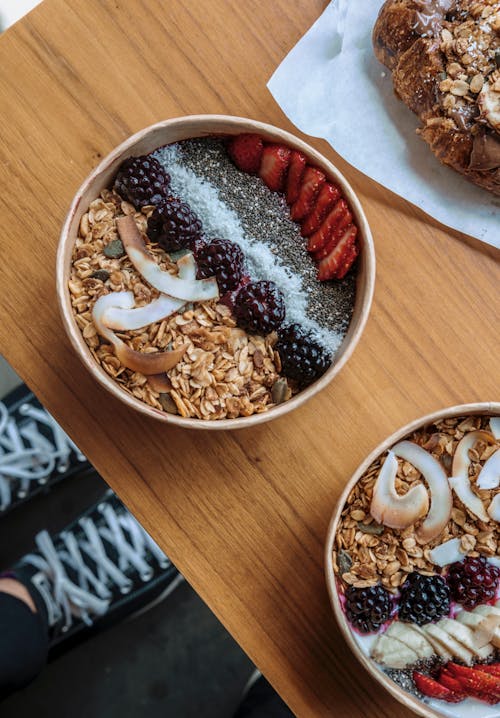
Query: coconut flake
x=462 y=488
x=190 y=290
x=392 y=509
x=489 y=476
x=154 y=363
x=434 y=474
x=494 y=508
x=495 y=426
x=157 y=310
x=446 y=553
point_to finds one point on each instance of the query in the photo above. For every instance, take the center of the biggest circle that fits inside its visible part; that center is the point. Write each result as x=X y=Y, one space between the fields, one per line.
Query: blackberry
x=174 y=225
x=260 y=307
x=302 y=358
x=221 y=259
x=473 y=581
x=368 y=608
x=142 y=181
x=424 y=599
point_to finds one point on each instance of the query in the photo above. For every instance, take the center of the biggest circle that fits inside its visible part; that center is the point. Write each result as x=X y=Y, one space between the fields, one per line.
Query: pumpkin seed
x=101 y=274
x=175 y=256
x=344 y=561
x=168 y=404
x=281 y=391
x=114 y=250
x=373 y=529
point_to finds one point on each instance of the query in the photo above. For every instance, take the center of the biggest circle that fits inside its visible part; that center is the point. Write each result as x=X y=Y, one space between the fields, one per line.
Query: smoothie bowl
x=215 y=272
x=413 y=566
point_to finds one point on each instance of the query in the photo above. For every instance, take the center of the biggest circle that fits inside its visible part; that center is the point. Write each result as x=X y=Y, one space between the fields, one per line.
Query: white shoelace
x=27 y=455
x=89 y=593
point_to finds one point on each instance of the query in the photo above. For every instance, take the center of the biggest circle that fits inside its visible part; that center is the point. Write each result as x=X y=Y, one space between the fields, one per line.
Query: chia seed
x=324 y=308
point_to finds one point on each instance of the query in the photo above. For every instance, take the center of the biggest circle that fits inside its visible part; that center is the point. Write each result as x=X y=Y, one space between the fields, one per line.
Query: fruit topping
x=174 y=226
x=410 y=636
x=473 y=581
x=328 y=195
x=223 y=260
x=142 y=181
x=484 y=621
x=329 y=267
x=246 y=152
x=476 y=683
x=350 y=257
x=432 y=689
x=435 y=476
x=274 y=166
x=302 y=358
x=296 y=169
x=189 y=290
x=392 y=652
x=311 y=183
x=388 y=507
x=259 y=307
x=154 y=363
x=322 y=236
x=423 y=599
x=446 y=553
x=446 y=644
x=368 y=608
x=336 y=233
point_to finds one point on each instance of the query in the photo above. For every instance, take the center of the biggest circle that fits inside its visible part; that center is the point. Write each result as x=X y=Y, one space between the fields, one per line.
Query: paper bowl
x=407 y=699
x=175 y=130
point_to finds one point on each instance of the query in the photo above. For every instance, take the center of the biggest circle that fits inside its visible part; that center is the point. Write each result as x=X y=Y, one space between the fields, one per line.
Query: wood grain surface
x=243 y=514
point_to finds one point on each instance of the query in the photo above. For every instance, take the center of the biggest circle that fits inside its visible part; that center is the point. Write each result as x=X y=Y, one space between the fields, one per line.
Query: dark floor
x=175 y=660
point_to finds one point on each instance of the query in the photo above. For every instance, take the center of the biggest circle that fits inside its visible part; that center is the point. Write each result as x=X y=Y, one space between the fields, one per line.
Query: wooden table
x=242 y=514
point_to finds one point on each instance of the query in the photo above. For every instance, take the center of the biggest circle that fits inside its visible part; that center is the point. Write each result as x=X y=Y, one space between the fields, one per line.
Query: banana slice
x=449 y=644
x=465 y=635
x=392 y=653
x=488 y=628
x=405 y=633
x=489 y=104
x=439 y=648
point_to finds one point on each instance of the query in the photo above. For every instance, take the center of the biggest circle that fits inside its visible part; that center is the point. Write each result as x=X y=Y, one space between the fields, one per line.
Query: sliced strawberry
x=449 y=681
x=492 y=668
x=349 y=259
x=246 y=152
x=431 y=688
x=296 y=169
x=312 y=180
x=319 y=239
x=330 y=265
x=344 y=221
x=328 y=195
x=475 y=682
x=274 y=166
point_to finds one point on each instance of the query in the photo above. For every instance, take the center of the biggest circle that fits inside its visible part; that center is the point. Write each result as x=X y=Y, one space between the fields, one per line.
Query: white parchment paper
x=332 y=86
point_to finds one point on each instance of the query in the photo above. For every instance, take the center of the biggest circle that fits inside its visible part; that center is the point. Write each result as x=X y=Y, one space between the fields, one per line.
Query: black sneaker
x=34 y=451
x=102 y=568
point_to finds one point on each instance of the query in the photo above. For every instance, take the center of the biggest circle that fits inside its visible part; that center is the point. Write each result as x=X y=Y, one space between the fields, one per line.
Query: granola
x=225 y=373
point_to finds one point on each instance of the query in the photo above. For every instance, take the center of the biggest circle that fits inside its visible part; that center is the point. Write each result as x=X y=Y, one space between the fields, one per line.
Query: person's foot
x=102 y=568
x=34 y=451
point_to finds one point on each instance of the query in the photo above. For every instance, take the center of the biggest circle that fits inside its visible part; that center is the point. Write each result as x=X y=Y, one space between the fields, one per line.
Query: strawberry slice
x=475 y=682
x=320 y=238
x=491 y=668
x=312 y=180
x=349 y=259
x=328 y=195
x=330 y=265
x=344 y=221
x=296 y=169
x=449 y=681
x=431 y=688
x=246 y=152
x=274 y=166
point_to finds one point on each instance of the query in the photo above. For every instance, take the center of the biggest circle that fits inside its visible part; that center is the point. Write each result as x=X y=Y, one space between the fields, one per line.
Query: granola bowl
x=215 y=272
x=412 y=563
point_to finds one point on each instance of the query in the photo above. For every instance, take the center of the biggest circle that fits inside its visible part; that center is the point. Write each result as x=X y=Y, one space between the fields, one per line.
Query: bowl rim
x=240 y=124
x=412 y=702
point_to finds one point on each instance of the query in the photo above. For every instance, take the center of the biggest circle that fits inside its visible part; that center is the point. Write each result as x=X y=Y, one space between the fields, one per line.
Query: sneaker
x=102 y=568
x=34 y=451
